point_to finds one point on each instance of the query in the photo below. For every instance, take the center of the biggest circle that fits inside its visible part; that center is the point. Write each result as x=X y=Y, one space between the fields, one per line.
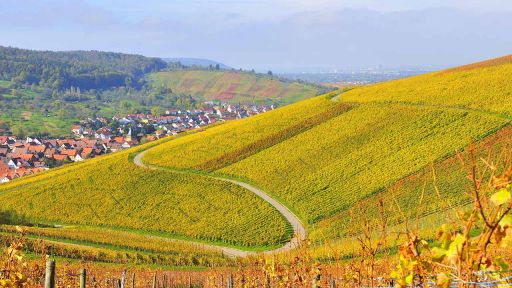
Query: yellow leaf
x=501 y=197
x=409 y=278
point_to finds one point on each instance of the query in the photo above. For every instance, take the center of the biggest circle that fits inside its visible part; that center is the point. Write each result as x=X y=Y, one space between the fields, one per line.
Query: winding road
x=299 y=231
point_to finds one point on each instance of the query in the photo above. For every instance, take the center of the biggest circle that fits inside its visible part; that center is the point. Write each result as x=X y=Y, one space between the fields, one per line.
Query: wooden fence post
x=123 y=278
x=164 y=280
x=49 y=280
x=133 y=280
x=230 y=281
x=154 y=280
x=332 y=283
x=316 y=281
x=83 y=277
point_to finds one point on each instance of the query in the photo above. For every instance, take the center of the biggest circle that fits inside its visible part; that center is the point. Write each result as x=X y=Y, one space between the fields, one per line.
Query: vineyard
x=220 y=146
x=375 y=145
x=395 y=150
x=233 y=87
x=483 y=86
x=323 y=169
x=111 y=191
x=114 y=246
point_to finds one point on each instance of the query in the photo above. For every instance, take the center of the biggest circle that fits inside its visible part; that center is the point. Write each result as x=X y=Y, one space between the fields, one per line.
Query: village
x=93 y=137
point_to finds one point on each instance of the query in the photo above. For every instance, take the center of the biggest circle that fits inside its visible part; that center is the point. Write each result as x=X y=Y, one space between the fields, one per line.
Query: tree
x=270 y=73
x=128 y=82
x=156 y=110
x=217 y=67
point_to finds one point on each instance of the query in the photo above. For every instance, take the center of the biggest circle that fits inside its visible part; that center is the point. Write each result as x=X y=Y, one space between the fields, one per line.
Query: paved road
x=299 y=231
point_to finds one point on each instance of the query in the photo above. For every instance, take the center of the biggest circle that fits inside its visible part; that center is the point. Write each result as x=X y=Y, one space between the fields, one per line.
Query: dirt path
x=299 y=231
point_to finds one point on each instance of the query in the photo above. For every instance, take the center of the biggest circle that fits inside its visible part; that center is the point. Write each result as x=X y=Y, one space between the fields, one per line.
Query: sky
x=278 y=35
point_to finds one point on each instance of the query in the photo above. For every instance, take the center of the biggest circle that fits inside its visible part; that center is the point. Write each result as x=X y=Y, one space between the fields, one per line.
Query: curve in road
x=299 y=231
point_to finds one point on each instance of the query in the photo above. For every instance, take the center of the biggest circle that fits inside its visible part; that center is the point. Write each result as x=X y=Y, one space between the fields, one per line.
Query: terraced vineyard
x=117 y=246
x=234 y=87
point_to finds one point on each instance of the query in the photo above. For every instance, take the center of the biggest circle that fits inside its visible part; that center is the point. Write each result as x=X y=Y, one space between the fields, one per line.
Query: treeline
x=83 y=69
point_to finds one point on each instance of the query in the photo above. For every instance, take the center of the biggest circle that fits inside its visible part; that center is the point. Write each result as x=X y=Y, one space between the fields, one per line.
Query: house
x=5 y=179
x=77 y=129
x=12 y=164
x=60 y=157
x=86 y=153
x=71 y=153
x=78 y=158
x=28 y=157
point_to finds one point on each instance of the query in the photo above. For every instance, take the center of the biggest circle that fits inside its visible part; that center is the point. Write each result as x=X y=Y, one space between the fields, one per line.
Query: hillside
x=83 y=69
x=234 y=87
x=111 y=192
x=483 y=86
x=353 y=158
x=325 y=158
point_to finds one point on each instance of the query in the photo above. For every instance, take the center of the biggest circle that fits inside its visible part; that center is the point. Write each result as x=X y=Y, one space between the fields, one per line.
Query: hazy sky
x=269 y=34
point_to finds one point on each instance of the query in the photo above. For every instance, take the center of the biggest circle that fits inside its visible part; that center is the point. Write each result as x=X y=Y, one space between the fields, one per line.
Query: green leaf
x=501 y=263
x=501 y=197
x=506 y=221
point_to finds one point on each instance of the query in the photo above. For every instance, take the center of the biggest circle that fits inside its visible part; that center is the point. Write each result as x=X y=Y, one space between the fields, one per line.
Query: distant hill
x=205 y=63
x=235 y=87
x=83 y=69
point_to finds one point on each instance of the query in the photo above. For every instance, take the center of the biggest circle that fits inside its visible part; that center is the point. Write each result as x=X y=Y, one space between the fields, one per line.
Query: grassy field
x=233 y=87
x=110 y=191
x=23 y=119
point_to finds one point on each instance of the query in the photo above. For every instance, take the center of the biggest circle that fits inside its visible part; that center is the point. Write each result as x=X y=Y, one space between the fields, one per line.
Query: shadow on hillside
x=12 y=218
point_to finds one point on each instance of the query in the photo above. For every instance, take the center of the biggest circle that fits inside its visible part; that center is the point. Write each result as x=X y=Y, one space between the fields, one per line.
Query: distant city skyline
x=278 y=35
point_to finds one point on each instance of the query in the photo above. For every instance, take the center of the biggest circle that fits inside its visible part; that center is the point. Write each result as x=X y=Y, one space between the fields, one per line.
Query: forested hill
x=83 y=69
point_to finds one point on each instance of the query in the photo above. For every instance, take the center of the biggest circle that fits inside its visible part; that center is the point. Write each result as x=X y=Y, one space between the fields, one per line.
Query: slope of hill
x=234 y=87
x=320 y=157
x=484 y=86
x=323 y=171
x=83 y=69
x=110 y=191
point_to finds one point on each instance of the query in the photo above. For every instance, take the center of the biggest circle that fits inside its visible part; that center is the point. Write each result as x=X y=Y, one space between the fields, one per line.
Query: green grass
x=233 y=87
